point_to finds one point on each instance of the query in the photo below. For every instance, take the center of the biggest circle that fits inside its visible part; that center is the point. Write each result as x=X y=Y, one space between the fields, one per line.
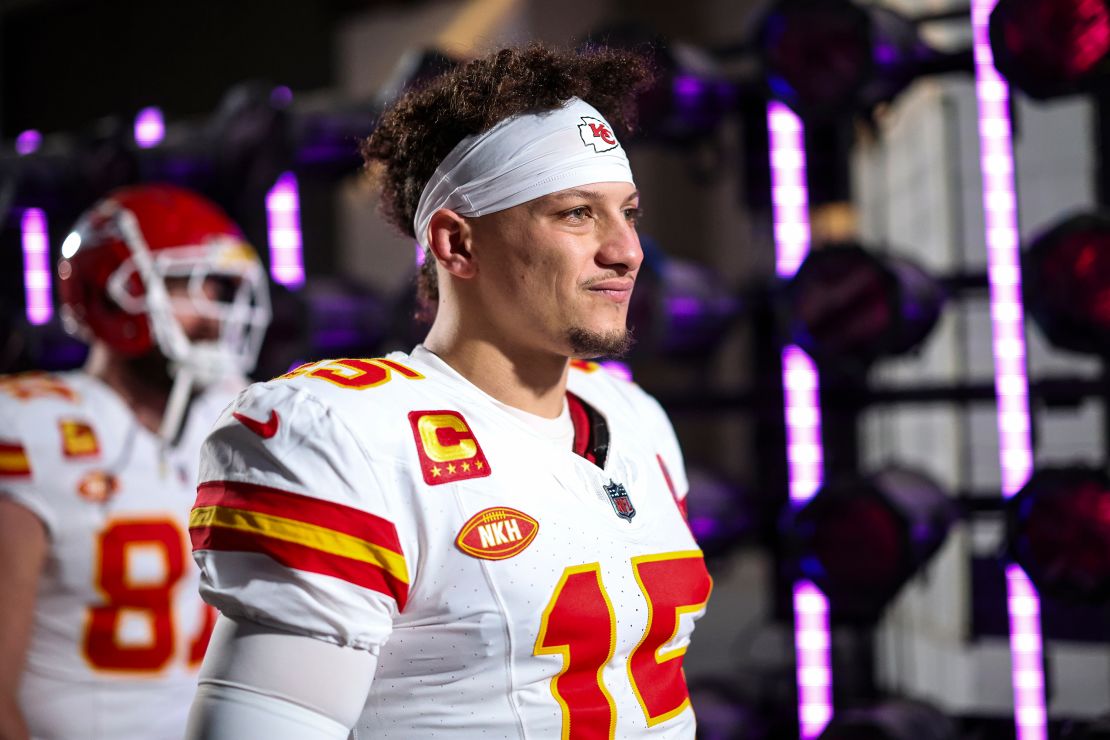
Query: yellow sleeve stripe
x=307 y=535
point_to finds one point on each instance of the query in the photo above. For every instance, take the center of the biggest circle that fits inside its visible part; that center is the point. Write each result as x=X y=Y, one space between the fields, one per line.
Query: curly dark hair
x=425 y=124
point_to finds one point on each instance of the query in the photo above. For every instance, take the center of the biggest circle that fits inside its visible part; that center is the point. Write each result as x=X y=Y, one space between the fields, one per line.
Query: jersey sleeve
x=23 y=464
x=670 y=452
x=291 y=526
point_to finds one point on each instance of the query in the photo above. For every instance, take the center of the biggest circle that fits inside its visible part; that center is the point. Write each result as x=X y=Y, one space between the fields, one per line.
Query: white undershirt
x=559 y=431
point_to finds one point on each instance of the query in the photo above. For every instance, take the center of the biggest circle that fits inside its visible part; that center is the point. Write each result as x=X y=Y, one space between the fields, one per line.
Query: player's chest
x=124 y=523
x=542 y=520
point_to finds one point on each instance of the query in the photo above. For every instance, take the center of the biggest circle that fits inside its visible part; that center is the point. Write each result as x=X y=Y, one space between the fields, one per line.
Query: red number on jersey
x=355 y=374
x=673 y=584
x=145 y=603
x=579 y=625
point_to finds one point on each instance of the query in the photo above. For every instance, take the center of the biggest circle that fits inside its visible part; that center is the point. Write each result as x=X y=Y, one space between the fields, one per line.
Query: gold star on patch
x=451 y=468
x=479 y=465
x=435 y=471
x=466 y=467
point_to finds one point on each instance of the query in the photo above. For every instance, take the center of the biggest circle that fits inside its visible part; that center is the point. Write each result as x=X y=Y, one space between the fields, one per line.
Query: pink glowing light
x=283 y=219
x=804 y=453
x=789 y=192
x=28 y=142
x=801 y=386
x=36 y=266
x=150 y=129
x=814 y=670
x=1015 y=449
x=618 y=369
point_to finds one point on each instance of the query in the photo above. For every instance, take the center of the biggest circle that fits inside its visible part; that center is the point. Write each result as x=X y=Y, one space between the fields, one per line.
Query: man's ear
x=450 y=243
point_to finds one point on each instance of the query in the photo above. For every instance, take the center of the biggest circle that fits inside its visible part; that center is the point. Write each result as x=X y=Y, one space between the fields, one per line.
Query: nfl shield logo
x=620 y=500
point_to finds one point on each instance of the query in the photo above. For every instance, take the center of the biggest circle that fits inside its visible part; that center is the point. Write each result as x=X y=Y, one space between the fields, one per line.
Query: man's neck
x=143 y=389
x=523 y=378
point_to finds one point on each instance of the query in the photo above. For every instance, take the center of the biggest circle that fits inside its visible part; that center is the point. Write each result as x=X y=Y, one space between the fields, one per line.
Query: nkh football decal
x=595 y=133
x=497 y=533
x=448 y=450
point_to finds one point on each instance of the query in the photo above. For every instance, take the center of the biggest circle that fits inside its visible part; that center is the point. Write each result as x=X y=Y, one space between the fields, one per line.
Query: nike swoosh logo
x=264 y=430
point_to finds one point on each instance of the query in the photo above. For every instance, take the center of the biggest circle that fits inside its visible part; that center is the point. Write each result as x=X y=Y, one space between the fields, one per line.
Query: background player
x=101 y=628
x=481 y=538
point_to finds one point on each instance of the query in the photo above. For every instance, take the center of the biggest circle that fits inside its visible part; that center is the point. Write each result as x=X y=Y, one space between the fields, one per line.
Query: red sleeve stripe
x=327 y=514
x=13 y=461
x=302 y=557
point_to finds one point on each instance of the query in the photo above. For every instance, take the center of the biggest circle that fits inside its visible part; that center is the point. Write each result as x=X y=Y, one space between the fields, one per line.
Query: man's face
x=556 y=273
x=198 y=327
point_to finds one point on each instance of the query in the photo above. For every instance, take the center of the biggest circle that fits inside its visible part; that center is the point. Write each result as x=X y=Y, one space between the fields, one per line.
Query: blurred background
x=875 y=302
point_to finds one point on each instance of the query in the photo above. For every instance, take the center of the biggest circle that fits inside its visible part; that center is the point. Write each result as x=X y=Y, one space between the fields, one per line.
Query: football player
x=102 y=629
x=483 y=537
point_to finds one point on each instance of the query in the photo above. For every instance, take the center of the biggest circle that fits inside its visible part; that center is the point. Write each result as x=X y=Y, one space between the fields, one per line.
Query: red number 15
x=578 y=624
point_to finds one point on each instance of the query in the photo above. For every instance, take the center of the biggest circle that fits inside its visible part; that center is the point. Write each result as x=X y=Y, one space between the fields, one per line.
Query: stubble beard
x=586 y=344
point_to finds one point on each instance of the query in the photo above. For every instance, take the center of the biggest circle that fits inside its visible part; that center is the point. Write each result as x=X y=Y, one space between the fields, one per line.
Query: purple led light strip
x=1011 y=383
x=283 y=219
x=789 y=192
x=36 y=266
x=804 y=454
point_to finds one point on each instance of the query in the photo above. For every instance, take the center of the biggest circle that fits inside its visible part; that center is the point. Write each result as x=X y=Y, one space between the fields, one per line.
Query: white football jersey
x=509 y=587
x=119 y=627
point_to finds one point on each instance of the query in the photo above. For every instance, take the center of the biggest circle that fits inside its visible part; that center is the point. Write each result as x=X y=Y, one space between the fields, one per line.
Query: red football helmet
x=117 y=259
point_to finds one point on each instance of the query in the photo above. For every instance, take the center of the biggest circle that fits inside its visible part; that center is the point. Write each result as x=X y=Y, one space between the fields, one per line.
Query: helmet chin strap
x=176 y=405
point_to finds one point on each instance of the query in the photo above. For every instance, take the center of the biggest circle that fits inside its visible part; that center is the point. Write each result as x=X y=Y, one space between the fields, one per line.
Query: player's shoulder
x=320 y=398
x=40 y=404
x=35 y=389
x=50 y=425
x=352 y=383
x=607 y=387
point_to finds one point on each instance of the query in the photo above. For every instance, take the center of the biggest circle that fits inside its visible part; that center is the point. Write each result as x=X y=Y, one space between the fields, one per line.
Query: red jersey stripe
x=13 y=461
x=267 y=500
x=301 y=557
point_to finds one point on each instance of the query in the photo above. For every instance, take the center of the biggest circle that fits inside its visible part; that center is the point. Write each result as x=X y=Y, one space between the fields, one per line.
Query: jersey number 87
x=127 y=598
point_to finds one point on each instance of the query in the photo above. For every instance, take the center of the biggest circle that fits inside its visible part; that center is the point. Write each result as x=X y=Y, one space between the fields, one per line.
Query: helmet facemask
x=242 y=320
x=241 y=310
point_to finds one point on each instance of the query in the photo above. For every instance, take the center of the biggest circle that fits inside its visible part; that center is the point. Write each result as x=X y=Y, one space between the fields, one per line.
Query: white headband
x=522 y=158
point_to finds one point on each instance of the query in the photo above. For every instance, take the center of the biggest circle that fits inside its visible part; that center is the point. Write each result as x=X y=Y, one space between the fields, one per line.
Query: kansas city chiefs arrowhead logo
x=497 y=533
x=596 y=133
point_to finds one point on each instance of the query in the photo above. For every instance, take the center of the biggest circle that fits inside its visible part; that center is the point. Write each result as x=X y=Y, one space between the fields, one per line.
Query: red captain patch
x=497 y=533
x=448 y=450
